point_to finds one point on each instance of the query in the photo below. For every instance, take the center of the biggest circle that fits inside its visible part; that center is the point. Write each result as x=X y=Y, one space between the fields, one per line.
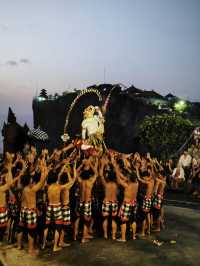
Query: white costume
x=185 y=160
x=181 y=173
x=92 y=127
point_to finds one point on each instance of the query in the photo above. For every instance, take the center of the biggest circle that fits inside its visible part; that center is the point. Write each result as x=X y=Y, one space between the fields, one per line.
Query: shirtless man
x=87 y=175
x=110 y=204
x=18 y=170
x=158 y=191
x=66 y=171
x=148 y=181
x=5 y=183
x=54 y=209
x=128 y=209
x=28 y=213
x=31 y=156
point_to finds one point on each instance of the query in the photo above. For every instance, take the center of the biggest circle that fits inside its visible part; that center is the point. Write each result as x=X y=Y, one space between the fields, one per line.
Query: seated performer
x=196 y=135
x=178 y=177
x=110 y=204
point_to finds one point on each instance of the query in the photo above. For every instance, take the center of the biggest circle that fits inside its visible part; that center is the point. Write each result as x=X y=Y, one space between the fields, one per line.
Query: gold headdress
x=89 y=111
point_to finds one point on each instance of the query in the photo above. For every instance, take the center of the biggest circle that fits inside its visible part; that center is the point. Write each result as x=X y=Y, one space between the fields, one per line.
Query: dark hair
x=132 y=177
x=120 y=163
x=52 y=177
x=111 y=176
x=25 y=180
x=161 y=172
x=63 y=178
x=144 y=173
x=4 y=171
x=15 y=171
x=86 y=174
x=36 y=177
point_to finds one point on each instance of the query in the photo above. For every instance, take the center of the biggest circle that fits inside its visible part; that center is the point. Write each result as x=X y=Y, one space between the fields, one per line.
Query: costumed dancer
x=92 y=129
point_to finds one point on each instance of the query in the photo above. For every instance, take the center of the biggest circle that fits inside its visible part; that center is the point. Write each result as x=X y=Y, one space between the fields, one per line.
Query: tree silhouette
x=164 y=134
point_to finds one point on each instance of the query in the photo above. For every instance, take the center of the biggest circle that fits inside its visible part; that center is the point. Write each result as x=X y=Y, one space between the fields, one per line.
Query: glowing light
x=40 y=99
x=180 y=106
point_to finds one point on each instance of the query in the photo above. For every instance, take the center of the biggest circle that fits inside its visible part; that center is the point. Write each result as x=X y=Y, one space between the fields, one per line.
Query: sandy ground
x=183 y=227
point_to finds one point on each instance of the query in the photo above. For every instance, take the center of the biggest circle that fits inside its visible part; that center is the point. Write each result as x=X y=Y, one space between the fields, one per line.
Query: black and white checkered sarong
x=28 y=217
x=128 y=210
x=109 y=208
x=3 y=216
x=66 y=214
x=54 y=214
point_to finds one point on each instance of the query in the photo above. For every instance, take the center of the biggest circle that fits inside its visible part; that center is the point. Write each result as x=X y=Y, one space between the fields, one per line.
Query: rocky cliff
x=125 y=111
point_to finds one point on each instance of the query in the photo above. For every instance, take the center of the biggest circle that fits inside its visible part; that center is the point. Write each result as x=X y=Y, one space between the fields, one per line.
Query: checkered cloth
x=37 y=133
x=128 y=210
x=66 y=214
x=3 y=216
x=157 y=201
x=28 y=218
x=54 y=214
x=109 y=208
x=147 y=203
x=85 y=209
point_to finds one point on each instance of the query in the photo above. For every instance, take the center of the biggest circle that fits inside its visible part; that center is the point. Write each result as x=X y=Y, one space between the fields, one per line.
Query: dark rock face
x=123 y=119
x=15 y=136
x=124 y=114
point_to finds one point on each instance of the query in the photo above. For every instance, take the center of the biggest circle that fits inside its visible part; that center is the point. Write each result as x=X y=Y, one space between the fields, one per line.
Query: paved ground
x=183 y=226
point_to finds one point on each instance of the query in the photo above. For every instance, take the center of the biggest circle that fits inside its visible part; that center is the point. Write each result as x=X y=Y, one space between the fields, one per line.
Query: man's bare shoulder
x=54 y=186
x=111 y=184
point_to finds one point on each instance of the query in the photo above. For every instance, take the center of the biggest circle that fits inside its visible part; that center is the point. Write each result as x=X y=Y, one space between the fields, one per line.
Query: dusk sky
x=62 y=44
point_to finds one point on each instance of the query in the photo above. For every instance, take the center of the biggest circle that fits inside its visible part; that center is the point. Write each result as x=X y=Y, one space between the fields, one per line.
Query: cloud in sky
x=12 y=63
x=25 y=61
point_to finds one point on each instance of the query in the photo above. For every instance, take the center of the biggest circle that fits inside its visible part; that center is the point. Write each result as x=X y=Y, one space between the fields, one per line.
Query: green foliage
x=164 y=134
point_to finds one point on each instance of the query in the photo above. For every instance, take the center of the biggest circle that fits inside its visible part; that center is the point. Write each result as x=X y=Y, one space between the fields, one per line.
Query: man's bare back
x=111 y=190
x=149 y=187
x=86 y=190
x=54 y=191
x=130 y=191
x=29 y=197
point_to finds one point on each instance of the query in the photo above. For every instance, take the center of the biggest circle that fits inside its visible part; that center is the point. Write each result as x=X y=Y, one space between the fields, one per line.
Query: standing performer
x=92 y=128
x=5 y=183
x=54 y=213
x=128 y=209
x=28 y=213
x=110 y=203
x=86 y=178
